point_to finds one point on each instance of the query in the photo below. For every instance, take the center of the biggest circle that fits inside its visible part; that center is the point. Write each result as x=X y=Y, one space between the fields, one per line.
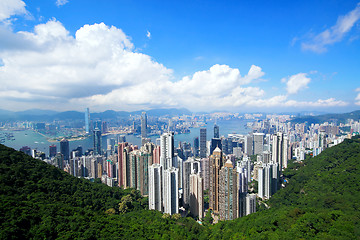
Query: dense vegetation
x=321 y=200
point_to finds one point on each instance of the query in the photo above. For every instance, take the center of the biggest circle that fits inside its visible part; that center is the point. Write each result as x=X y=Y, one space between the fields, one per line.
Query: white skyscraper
x=171 y=191
x=266 y=180
x=268 y=169
x=258 y=140
x=167 y=159
x=250 y=203
x=155 y=187
x=248 y=145
x=280 y=150
x=261 y=181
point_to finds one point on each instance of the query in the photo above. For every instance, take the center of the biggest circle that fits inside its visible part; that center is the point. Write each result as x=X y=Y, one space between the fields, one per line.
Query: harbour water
x=36 y=141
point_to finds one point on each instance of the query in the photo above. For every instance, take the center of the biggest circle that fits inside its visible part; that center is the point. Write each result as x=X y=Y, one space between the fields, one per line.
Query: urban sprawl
x=227 y=177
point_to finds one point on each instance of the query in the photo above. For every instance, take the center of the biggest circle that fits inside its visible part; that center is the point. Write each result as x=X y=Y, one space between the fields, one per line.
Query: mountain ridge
x=49 y=115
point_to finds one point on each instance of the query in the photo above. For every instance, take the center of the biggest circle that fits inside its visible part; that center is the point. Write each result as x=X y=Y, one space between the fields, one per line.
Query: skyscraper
x=143 y=169
x=258 y=139
x=216 y=131
x=156 y=155
x=228 y=192
x=126 y=167
x=196 y=195
x=167 y=159
x=261 y=182
x=64 y=149
x=59 y=161
x=121 y=148
x=280 y=147
x=52 y=150
x=205 y=172
x=143 y=127
x=250 y=203
x=171 y=191
x=248 y=145
x=155 y=187
x=87 y=120
x=203 y=142
x=215 y=142
x=216 y=163
x=196 y=147
x=265 y=180
x=134 y=159
x=97 y=141
x=277 y=148
x=243 y=189
x=191 y=166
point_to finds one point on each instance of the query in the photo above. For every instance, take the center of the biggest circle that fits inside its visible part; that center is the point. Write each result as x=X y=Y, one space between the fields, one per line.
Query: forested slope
x=321 y=200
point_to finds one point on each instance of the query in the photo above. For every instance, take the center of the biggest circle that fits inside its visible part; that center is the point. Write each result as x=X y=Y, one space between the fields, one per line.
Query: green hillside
x=321 y=201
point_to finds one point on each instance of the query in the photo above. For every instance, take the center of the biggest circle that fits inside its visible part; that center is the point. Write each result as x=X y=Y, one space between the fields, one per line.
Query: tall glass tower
x=202 y=142
x=97 y=141
x=87 y=120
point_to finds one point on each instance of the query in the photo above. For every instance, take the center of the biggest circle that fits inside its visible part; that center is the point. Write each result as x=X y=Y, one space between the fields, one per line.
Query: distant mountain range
x=331 y=117
x=49 y=115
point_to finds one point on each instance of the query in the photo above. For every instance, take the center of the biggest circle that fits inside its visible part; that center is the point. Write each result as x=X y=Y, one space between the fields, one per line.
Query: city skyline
x=204 y=56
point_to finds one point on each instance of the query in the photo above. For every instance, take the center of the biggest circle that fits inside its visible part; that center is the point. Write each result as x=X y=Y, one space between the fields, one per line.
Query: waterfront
x=37 y=141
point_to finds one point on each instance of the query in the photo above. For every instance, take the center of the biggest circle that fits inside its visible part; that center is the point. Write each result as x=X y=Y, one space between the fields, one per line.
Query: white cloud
x=61 y=2
x=330 y=102
x=334 y=34
x=357 y=98
x=98 y=60
x=9 y=8
x=148 y=34
x=99 y=68
x=296 y=82
x=218 y=87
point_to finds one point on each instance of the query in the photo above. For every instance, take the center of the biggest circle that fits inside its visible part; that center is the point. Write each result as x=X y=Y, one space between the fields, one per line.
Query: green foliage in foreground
x=321 y=201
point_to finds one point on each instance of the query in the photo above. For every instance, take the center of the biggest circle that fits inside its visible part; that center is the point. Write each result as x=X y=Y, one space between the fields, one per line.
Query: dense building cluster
x=215 y=176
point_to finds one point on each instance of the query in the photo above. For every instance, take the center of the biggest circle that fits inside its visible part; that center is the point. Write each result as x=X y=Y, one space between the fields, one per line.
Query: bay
x=36 y=141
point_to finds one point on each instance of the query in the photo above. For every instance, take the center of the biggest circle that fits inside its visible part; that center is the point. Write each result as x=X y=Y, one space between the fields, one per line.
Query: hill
x=40 y=201
x=320 y=201
x=48 y=115
x=338 y=117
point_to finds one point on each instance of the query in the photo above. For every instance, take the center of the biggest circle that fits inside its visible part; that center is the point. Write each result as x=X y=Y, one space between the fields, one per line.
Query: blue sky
x=243 y=56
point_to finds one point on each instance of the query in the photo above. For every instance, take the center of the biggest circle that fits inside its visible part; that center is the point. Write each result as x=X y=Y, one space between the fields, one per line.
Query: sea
x=36 y=141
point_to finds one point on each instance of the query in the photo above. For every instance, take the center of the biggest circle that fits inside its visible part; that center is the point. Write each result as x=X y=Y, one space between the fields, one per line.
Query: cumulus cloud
x=330 y=102
x=336 y=33
x=9 y=8
x=61 y=2
x=296 y=82
x=96 y=61
x=99 y=68
x=357 y=98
